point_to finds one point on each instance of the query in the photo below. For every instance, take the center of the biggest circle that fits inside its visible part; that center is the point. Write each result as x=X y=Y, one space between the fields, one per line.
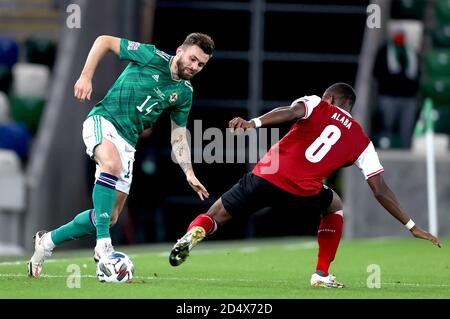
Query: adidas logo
x=104 y=215
x=155 y=77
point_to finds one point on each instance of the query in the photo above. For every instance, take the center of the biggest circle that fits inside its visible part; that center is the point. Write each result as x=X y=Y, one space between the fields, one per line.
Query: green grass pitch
x=270 y=268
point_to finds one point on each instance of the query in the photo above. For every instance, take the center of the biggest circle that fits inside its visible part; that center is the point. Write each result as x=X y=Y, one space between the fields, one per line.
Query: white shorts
x=95 y=128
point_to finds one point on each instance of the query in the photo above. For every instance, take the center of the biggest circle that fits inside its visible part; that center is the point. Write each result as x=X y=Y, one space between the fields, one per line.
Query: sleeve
x=310 y=102
x=369 y=163
x=136 y=52
x=180 y=113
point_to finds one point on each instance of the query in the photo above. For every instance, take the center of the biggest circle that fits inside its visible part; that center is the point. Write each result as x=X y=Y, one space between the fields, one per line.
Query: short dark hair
x=343 y=94
x=203 y=41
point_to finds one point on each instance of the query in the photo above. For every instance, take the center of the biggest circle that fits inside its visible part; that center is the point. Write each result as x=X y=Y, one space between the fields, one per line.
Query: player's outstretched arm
x=182 y=153
x=278 y=115
x=103 y=44
x=388 y=200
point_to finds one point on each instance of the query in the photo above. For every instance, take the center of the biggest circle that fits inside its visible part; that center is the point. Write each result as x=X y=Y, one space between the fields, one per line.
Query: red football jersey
x=324 y=140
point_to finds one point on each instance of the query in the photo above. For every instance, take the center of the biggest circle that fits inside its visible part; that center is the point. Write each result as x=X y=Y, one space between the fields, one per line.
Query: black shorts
x=253 y=193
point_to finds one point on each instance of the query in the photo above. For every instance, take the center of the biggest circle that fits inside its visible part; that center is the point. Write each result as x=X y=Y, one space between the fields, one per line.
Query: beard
x=183 y=72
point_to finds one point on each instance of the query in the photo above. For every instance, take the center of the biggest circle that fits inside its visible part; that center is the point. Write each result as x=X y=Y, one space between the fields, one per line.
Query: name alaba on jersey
x=326 y=139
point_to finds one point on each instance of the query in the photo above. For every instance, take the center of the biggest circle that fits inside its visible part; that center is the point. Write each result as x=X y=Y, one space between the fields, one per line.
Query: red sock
x=205 y=221
x=328 y=237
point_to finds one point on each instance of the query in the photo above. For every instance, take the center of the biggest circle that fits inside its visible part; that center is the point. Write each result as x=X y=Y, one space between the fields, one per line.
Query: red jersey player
x=324 y=139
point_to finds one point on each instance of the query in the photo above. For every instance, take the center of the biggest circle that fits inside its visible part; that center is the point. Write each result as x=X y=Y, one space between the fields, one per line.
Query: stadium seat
x=438 y=89
x=438 y=62
x=441 y=36
x=27 y=110
x=11 y=197
x=40 y=51
x=407 y=9
x=9 y=51
x=12 y=202
x=441 y=118
x=4 y=108
x=15 y=137
x=30 y=80
x=442 y=10
x=5 y=78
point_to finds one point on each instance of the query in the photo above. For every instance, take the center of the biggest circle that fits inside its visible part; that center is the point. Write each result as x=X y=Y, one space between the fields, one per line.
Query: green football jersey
x=143 y=91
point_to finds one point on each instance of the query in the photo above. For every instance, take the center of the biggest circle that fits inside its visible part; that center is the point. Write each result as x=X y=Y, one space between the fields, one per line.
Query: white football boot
x=329 y=281
x=39 y=255
x=102 y=250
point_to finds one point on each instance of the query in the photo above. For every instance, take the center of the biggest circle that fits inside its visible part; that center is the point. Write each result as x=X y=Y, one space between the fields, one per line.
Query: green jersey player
x=152 y=82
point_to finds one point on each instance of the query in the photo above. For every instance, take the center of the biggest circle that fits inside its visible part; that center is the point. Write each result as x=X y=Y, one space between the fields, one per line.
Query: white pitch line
x=363 y=285
x=151 y=278
x=46 y=276
x=248 y=249
x=24 y=262
x=245 y=249
x=301 y=246
x=12 y=263
x=413 y=284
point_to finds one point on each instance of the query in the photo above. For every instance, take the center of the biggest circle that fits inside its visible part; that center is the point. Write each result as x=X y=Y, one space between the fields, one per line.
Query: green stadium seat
x=442 y=10
x=40 y=51
x=442 y=119
x=441 y=36
x=27 y=110
x=438 y=89
x=408 y=9
x=5 y=78
x=438 y=62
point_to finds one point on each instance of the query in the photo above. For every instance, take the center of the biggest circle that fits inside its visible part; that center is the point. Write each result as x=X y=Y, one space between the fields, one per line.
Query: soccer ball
x=117 y=267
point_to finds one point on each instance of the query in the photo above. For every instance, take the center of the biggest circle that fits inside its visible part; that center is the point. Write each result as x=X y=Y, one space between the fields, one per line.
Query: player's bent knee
x=222 y=217
x=111 y=167
x=335 y=205
x=219 y=213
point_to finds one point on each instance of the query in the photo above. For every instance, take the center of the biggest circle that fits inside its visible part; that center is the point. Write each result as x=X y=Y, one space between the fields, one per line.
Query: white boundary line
x=202 y=251
x=360 y=284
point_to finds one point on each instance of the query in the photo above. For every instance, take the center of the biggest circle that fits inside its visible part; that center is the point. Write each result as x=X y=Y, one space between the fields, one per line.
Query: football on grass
x=117 y=267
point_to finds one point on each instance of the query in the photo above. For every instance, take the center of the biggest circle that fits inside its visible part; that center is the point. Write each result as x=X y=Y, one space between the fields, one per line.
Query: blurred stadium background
x=268 y=53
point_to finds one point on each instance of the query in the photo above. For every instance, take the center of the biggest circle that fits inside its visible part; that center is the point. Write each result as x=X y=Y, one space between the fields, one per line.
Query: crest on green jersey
x=173 y=97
